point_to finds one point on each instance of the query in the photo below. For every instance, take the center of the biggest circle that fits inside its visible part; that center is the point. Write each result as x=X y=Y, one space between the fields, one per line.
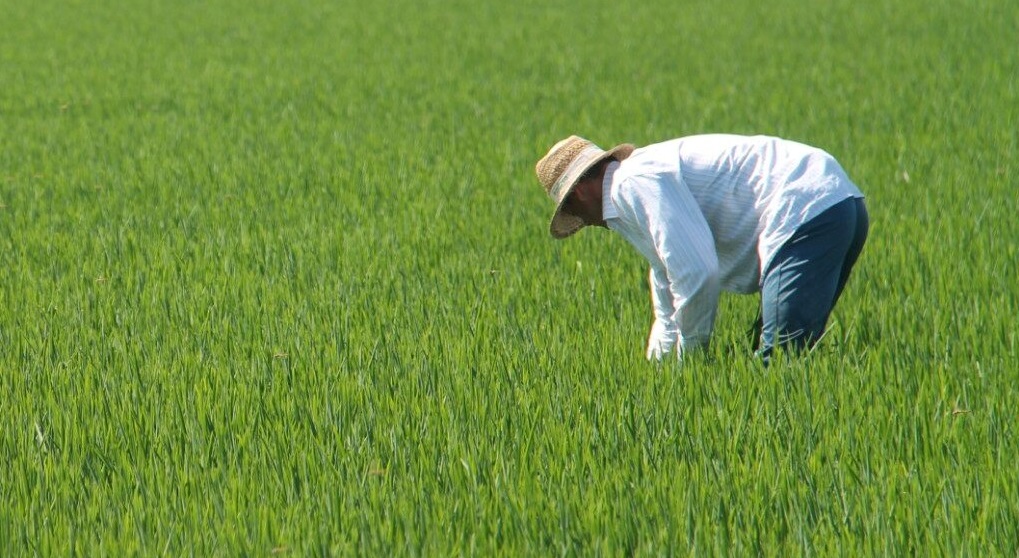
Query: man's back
x=754 y=191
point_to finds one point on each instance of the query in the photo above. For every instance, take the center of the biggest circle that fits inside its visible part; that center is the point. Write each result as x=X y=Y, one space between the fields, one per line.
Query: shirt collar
x=608 y=208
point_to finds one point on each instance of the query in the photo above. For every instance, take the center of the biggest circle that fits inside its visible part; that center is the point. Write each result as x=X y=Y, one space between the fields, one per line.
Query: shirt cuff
x=694 y=342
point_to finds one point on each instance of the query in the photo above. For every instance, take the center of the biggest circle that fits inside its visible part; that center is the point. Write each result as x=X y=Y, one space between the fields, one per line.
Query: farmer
x=719 y=212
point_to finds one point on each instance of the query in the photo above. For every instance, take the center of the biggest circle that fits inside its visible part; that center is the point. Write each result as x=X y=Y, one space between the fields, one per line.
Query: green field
x=275 y=279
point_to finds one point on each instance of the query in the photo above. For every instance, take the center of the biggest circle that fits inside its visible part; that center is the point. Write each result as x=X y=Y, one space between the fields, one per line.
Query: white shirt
x=709 y=212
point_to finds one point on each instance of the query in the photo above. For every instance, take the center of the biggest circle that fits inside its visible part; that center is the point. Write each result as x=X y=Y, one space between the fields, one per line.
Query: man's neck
x=608 y=208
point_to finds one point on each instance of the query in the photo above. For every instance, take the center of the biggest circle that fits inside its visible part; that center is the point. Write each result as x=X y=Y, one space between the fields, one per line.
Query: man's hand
x=661 y=341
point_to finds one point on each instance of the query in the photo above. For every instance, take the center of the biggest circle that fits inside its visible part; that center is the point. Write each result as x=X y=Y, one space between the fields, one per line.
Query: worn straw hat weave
x=560 y=170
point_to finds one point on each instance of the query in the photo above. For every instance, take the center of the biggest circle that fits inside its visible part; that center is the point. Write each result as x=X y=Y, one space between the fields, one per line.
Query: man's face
x=586 y=202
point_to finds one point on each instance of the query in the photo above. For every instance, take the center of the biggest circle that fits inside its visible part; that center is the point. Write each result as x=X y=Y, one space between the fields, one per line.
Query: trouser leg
x=807 y=275
x=859 y=238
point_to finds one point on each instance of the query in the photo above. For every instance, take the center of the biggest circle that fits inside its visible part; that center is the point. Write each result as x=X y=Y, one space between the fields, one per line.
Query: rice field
x=275 y=280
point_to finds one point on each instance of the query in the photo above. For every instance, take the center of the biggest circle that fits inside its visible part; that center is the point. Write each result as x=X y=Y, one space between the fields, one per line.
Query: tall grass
x=275 y=279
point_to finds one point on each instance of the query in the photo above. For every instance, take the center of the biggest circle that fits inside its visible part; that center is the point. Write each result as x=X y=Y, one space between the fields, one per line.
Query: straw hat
x=560 y=170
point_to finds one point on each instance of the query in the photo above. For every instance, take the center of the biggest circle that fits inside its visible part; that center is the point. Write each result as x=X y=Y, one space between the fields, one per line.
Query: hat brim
x=565 y=224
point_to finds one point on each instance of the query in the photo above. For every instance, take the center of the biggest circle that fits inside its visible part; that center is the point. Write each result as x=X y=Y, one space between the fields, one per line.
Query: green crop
x=275 y=279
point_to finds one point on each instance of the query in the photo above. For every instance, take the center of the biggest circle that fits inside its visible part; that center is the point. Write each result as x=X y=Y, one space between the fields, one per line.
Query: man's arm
x=682 y=256
x=664 y=333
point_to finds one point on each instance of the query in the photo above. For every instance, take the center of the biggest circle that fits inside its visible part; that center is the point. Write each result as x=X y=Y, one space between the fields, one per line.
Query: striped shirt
x=709 y=212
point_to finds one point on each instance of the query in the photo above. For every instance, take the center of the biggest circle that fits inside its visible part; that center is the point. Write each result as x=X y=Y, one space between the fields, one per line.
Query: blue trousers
x=806 y=277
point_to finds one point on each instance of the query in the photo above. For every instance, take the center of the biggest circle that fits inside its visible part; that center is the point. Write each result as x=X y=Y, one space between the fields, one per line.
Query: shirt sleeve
x=684 y=265
x=664 y=333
